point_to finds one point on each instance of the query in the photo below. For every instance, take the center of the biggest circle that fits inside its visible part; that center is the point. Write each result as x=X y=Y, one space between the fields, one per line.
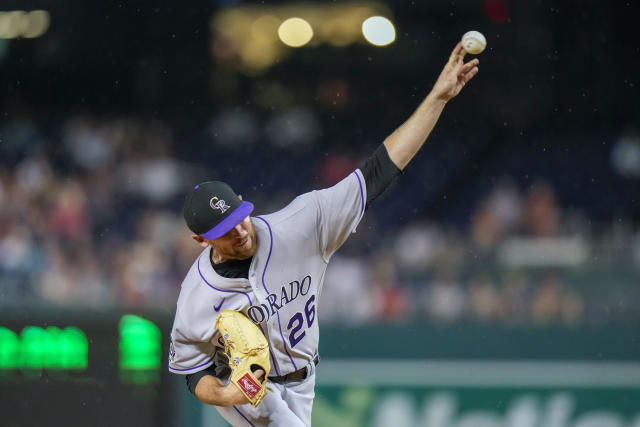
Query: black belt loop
x=299 y=375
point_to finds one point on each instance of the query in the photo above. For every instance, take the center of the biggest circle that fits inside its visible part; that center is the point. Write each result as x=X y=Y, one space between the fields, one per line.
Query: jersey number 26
x=296 y=323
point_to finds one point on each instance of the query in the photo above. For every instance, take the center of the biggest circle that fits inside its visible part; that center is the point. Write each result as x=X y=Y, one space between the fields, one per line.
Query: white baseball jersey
x=284 y=284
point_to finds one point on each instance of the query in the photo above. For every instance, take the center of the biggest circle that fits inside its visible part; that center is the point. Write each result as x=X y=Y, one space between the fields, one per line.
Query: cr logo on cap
x=219 y=204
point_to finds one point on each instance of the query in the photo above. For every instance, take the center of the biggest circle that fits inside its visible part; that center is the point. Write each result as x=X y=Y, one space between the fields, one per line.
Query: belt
x=298 y=375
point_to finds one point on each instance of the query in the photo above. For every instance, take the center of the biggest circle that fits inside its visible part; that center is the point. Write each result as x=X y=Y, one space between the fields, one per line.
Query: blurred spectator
x=333 y=167
x=293 y=128
x=391 y=299
x=87 y=142
x=74 y=277
x=416 y=246
x=625 y=154
x=444 y=299
x=33 y=173
x=346 y=293
x=554 y=302
x=541 y=214
x=15 y=249
x=485 y=230
x=18 y=261
x=497 y=214
x=144 y=277
x=235 y=128
x=546 y=305
x=57 y=283
x=516 y=296
x=69 y=219
x=505 y=203
x=145 y=272
x=186 y=250
x=484 y=299
x=20 y=137
x=156 y=176
x=103 y=203
x=104 y=228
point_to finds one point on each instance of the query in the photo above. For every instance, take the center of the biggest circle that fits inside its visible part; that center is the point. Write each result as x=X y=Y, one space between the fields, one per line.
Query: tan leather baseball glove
x=248 y=350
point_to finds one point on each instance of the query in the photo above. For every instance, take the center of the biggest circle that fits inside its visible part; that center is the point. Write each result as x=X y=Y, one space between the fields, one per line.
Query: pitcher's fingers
x=469 y=65
x=461 y=52
x=455 y=54
x=470 y=74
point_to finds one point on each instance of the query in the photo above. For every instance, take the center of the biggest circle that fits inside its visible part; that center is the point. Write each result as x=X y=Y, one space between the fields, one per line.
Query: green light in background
x=74 y=349
x=35 y=348
x=9 y=349
x=51 y=348
x=38 y=348
x=140 y=344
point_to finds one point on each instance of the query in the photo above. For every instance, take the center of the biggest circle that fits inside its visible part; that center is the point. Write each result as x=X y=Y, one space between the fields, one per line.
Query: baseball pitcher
x=246 y=332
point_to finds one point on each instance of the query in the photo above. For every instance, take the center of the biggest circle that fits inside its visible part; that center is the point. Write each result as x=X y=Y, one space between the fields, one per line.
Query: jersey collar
x=213 y=279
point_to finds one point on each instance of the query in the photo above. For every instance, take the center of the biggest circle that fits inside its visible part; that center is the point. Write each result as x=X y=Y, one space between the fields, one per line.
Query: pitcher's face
x=238 y=243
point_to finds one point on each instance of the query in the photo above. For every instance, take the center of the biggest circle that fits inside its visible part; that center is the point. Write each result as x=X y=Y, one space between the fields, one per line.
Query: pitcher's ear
x=201 y=241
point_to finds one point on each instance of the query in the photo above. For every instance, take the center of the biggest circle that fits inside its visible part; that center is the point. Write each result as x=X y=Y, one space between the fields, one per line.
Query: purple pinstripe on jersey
x=361 y=192
x=194 y=367
x=267 y=291
x=243 y=416
x=218 y=289
x=275 y=362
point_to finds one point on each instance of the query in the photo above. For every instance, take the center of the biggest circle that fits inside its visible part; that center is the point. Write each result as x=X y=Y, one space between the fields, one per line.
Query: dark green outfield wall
x=512 y=356
x=481 y=342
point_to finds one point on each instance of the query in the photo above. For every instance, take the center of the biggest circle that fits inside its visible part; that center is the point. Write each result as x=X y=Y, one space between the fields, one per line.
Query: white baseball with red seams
x=281 y=295
x=474 y=42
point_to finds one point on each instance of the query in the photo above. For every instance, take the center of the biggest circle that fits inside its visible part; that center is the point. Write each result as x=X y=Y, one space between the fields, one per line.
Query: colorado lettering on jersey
x=288 y=293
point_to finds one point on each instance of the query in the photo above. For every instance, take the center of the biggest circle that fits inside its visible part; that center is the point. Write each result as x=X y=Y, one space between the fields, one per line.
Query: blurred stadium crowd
x=522 y=207
x=90 y=214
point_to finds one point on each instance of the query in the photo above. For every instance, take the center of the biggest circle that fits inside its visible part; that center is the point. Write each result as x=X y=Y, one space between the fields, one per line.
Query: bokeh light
x=19 y=23
x=37 y=24
x=265 y=29
x=378 y=31
x=295 y=32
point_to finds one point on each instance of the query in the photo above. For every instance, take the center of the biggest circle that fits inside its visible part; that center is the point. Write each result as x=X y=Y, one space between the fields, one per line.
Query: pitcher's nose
x=240 y=231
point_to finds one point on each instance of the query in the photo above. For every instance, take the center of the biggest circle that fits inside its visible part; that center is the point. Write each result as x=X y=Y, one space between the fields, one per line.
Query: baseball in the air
x=473 y=42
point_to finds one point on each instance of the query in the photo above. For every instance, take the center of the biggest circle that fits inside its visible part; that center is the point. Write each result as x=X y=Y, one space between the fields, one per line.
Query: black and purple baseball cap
x=212 y=209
